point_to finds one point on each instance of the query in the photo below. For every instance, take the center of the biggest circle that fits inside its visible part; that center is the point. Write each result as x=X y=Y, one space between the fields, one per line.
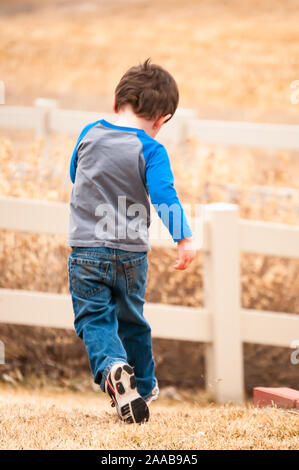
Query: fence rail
x=222 y=324
x=46 y=118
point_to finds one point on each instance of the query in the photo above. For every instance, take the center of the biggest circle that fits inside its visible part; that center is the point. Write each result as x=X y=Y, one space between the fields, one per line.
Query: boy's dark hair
x=149 y=89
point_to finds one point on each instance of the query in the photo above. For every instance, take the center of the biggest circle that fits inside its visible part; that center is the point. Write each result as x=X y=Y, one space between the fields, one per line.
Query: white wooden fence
x=46 y=118
x=222 y=324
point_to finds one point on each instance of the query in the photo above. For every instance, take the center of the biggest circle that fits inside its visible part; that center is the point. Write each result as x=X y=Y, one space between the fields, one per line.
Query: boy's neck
x=127 y=118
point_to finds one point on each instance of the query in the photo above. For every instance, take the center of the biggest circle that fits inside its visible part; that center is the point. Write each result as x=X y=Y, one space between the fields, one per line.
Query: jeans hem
x=149 y=394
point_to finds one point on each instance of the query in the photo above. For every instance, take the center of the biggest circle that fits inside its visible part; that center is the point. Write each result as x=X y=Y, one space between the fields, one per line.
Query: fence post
x=45 y=105
x=224 y=356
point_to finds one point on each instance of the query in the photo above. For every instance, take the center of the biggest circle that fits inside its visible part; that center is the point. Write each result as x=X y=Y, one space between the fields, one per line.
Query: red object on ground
x=282 y=397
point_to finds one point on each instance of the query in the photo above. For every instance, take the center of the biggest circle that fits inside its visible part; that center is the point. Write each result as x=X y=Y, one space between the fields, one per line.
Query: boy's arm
x=160 y=183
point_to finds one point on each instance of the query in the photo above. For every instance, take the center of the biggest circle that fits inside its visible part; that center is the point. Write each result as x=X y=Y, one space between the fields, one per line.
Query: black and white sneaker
x=121 y=387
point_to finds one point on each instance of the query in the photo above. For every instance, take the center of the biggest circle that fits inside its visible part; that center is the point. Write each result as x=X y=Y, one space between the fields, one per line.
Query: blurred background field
x=229 y=58
x=232 y=60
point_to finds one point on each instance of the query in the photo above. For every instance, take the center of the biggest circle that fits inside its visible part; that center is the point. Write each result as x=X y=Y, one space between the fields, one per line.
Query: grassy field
x=230 y=58
x=56 y=419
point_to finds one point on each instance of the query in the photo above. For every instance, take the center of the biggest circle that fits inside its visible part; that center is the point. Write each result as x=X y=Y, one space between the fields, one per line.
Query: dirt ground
x=56 y=419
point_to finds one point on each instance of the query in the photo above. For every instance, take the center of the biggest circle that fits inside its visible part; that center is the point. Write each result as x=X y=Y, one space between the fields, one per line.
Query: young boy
x=115 y=168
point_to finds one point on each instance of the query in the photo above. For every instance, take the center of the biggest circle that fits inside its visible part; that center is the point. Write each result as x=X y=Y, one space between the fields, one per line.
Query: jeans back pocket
x=136 y=274
x=87 y=275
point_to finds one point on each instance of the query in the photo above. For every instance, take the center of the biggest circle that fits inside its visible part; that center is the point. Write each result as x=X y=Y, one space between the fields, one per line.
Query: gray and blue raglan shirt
x=114 y=171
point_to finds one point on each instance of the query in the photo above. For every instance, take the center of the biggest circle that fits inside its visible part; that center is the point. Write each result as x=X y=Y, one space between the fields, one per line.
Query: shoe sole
x=131 y=407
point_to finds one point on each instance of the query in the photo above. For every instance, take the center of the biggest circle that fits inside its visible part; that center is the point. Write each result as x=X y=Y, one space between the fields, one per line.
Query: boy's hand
x=186 y=253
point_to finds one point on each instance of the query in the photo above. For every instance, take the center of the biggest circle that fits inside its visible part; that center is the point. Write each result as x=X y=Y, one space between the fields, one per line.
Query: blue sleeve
x=74 y=159
x=160 y=183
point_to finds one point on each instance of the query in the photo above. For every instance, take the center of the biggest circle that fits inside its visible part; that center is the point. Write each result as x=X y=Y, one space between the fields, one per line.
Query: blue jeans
x=107 y=286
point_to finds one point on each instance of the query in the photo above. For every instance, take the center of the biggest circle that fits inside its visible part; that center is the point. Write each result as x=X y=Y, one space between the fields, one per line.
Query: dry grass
x=64 y=420
x=227 y=57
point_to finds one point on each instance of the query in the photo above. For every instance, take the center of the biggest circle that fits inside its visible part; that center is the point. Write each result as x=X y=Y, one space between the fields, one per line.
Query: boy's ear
x=113 y=103
x=159 y=122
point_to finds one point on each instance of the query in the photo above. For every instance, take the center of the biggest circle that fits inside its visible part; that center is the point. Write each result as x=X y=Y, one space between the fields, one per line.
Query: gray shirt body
x=114 y=170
